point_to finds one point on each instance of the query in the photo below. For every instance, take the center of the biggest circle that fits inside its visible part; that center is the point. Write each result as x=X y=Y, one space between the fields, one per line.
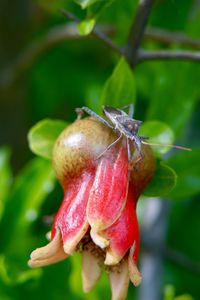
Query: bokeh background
x=44 y=75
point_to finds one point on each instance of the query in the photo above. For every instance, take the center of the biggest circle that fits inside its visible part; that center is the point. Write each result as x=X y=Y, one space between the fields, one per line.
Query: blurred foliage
x=160 y=134
x=43 y=135
x=5 y=177
x=163 y=182
x=119 y=90
x=169 y=294
x=86 y=72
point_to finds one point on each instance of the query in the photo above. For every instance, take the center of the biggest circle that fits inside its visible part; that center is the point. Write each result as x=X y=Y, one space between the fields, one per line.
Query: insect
x=121 y=123
x=124 y=125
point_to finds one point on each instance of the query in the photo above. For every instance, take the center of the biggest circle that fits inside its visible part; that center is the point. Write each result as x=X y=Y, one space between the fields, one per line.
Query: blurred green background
x=44 y=78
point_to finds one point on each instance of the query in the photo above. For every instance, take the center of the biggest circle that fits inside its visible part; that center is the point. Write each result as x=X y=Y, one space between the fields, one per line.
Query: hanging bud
x=98 y=212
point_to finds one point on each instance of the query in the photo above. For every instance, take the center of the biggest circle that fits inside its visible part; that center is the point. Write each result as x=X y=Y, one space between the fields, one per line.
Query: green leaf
x=86 y=3
x=119 y=90
x=184 y=297
x=43 y=135
x=169 y=292
x=31 y=188
x=98 y=7
x=86 y=26
x=8 y=278
x=158 y=133
x=186 y=165
x=5 y=177
x=162 y=183
x=92 y=97
x=170 y=100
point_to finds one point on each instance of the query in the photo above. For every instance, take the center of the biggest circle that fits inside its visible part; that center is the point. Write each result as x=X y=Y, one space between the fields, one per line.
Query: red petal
x=123 y=233
x=71 y=217
x=108 y=194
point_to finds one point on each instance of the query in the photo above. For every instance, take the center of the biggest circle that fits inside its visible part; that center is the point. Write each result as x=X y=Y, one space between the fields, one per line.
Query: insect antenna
x=167 y=145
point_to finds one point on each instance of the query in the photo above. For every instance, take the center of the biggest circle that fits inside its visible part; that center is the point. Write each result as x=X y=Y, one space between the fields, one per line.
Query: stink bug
x=121 y=123
x=124 y=125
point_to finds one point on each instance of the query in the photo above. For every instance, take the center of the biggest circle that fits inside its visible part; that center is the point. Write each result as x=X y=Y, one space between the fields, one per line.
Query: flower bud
x=98 y=212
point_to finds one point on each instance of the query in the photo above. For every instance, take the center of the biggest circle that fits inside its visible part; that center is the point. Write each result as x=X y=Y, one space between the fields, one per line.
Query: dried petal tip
x=119 y=281
x=70 y=244
x=98 y=239
x=91 y=270
x=134 y=274
x=49 y=254
x=111 y=258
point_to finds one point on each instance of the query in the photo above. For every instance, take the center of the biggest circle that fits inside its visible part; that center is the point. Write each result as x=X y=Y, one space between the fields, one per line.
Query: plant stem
x=167 y=37
x=95 y=32
x=144 y=55
x=137 y=30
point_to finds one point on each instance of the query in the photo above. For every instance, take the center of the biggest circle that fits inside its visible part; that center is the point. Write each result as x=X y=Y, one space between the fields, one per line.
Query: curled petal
x=108 y=194
x=135 y=275
x=49 y=254
x=71 y=218
x=119 y=281
x=91 y=270
x=122 y=233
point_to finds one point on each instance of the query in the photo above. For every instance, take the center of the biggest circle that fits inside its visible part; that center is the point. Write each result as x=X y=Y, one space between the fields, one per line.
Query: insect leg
x=80 y=112
x=144 y=137
x=138 y=146
x=131 y=110
x=129 y=149
x=109 y=146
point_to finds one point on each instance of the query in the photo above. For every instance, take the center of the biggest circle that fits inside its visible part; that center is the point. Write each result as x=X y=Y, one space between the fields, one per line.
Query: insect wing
x=108 y=110
x=113 y=114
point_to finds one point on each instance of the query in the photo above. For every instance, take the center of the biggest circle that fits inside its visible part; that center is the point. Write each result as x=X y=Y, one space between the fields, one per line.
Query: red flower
x=98 y=212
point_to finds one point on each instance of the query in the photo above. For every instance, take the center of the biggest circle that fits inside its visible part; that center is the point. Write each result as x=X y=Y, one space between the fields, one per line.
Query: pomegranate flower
x=98 y=214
